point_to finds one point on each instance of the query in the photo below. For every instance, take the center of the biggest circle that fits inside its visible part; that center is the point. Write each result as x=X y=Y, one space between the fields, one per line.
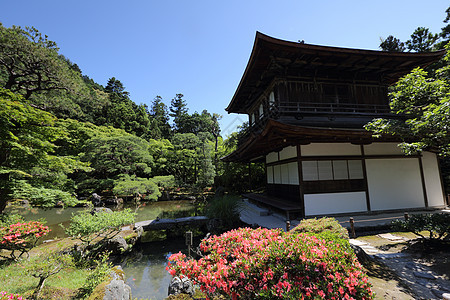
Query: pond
x=145 y=267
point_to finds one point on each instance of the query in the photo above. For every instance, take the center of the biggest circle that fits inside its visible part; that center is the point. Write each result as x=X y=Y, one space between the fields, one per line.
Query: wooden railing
x=350 y=108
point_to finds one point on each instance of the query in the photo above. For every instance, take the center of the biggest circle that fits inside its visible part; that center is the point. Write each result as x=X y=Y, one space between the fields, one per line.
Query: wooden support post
x=352 y=228
x=406 y=216
x=288 y=226
x=189 y=242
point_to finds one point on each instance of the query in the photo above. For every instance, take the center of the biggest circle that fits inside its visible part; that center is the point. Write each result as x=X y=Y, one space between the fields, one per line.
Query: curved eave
x=394 y=64
x=275 y=136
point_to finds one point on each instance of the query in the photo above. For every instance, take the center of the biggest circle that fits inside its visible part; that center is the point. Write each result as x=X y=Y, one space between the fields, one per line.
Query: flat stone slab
x=390 y=255
x=424 y=275
x=391 y=237
x=169 y=223
x=357 y=242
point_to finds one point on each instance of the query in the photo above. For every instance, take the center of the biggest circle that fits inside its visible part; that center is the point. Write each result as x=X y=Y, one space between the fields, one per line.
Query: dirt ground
x=392 y=274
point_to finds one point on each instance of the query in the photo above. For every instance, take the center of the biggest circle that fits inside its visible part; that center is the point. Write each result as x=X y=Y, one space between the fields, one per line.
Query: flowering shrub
x=268 y=264
x=21 y=236
x=5 y=296
x=322 y=225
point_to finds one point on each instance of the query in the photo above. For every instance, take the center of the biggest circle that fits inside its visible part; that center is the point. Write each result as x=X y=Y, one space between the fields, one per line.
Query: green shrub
x=137 y=187
x=227 y=209
x=98 y=227
x=43 y=197
x=322 y=225
x=7 y=219
x=97 y=275
x=438 y=225
x=164 y=182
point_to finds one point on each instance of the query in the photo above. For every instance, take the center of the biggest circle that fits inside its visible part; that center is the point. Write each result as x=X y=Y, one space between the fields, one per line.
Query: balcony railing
x=340 y=108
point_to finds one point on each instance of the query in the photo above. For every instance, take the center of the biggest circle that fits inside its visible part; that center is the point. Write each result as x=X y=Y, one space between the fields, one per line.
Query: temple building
x=306 y=106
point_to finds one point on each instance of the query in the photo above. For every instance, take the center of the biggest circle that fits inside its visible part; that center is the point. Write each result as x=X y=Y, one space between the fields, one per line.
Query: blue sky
x=201 y=48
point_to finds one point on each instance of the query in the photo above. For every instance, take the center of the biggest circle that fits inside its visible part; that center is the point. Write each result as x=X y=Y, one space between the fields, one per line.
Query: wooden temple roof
x=272 y=58
x=276 y=135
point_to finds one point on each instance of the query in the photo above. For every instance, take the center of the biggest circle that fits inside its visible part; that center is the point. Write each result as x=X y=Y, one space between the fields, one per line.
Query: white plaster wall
x=277 y=174
x=288 y=152
x=284 y=174
x=330 y=149
x=271 y=157
x=270 y=174
x=293 y=173
x=332 y=203
x=432 y=179
x=394 y=183
x=382 y=149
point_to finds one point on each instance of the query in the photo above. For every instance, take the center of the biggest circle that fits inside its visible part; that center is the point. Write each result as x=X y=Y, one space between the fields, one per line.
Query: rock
x=446 y=296
x=24 y=203
x=97 y=210
x=96 y=199
x=361 y=254
x=117 y=245
x=191 y=198
x=113 y=201
x=181 y=286
x=424 y=275
x=117 y=289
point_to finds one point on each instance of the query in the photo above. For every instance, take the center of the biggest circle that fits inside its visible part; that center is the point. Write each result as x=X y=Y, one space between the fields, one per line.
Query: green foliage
x=227 y=209
x=426 y=104
x=97 y=275
x=7 y=219
x=45 y=265
x=116 y=155
x=137 y=187
x=323 y=225
x=392 y=44
x=27 y=138
x=43 y=197
x=31 y=63
x=437 y=225
x=422 y=40
x=164 y=182
x=102 y=225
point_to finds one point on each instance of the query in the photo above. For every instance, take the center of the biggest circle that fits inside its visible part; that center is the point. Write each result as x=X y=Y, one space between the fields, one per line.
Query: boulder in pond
x=181 y=286
x=96 y=199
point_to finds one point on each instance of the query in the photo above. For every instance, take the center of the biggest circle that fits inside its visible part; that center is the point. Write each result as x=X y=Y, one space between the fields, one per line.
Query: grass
x=14 y=279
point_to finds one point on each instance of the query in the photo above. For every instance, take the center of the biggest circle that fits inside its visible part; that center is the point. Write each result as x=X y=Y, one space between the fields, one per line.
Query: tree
x=392 y=44
x=160 y=114
x=422 y=40
x=29 y=62
x=425 y=102
x=445 y=31
x=178 y=111
x=27 y=137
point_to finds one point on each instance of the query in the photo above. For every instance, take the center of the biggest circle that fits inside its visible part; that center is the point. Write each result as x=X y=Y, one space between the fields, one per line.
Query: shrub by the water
x=322 y=225
x=271 y=264
x=226 y=209
x=437 y=225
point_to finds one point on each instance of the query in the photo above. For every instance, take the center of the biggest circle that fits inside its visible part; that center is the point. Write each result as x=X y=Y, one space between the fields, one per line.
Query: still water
x=145 y=267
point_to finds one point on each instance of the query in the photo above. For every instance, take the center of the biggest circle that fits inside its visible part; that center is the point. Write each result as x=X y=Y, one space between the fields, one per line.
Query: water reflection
x=146 y=268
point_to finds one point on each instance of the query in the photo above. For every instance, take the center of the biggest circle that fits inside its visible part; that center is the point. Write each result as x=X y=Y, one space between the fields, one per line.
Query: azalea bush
x=21 y=237
x=322 y=225
x=268 y=264
x=6 y=296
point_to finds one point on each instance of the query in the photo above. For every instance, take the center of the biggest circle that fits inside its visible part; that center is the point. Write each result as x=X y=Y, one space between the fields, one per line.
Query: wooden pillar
x=365 y=177
x=300 y=180
x=422 y=177
x=249 y=176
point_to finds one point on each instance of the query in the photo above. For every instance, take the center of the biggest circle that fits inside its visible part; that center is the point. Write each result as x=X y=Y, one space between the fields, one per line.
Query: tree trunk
x=39 y=287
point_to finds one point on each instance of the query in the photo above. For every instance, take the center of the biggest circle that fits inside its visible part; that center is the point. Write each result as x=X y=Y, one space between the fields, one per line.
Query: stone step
x=260 y=211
